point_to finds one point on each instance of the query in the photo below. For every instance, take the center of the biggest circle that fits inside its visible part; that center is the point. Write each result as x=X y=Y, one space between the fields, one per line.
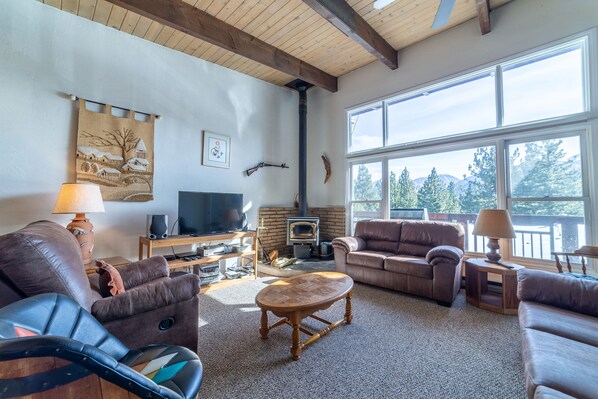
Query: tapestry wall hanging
x=116 y=153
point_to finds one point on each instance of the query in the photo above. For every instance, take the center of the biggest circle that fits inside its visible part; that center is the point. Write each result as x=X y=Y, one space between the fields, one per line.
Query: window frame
x=349 y=113
x=384 y=198
x=584 y=41
x=558 y=133
x=439 y=86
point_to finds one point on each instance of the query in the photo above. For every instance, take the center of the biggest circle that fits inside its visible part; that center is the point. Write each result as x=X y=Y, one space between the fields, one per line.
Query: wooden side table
x=476 y=286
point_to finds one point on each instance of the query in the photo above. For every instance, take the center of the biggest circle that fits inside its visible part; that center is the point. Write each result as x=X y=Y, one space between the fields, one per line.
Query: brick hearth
x=274 y=221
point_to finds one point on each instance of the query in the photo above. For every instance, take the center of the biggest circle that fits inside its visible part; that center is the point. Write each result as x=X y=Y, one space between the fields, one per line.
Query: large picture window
x=453 y=186
x=485 y=140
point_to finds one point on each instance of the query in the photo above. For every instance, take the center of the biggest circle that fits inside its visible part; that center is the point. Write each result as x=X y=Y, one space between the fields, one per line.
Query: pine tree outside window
x=366 y=192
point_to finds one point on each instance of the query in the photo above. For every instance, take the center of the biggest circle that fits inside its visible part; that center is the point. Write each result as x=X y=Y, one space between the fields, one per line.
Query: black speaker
x=157 y=226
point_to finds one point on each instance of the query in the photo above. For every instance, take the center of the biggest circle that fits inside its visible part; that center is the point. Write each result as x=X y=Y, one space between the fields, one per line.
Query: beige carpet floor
x=399 y=346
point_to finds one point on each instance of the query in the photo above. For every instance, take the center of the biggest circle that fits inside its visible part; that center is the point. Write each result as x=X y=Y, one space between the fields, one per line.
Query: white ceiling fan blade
x=443 y=13
x=380 y=4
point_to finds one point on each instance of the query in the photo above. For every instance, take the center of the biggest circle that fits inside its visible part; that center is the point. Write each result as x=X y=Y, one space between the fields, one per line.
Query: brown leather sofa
x=44 y=257
x=418 y=257
x=558 y=318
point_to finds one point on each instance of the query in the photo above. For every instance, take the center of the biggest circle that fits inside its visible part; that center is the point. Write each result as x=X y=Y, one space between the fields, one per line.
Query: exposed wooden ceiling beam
x=197 y=23
x=340 y=14
x=483 y=15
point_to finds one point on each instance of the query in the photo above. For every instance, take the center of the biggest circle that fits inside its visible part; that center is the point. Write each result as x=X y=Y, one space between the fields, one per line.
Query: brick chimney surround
x=272 y=222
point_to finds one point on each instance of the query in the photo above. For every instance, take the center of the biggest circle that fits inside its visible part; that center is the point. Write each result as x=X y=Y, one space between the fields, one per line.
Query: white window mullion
x=384 y=123
x=502 y=189
x=500 y=109
x=385 y=190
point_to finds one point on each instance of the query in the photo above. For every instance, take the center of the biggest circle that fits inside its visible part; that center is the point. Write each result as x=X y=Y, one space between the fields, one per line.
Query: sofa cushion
x=383 y=246
x=419 y=237
x=411 y=265
x=372 y=259
x=561 y=322
x=570 y=293
x=379 y=235
x=559 y=363
x=387 y=230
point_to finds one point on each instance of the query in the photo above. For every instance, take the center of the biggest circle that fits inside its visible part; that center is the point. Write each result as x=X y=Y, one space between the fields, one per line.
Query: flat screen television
x=209 y=213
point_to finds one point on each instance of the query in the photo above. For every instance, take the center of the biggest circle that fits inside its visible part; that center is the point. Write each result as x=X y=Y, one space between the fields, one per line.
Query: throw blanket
x=444 y=254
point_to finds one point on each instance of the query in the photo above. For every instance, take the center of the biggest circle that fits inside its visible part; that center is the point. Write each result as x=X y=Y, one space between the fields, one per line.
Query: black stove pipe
x=302 y=89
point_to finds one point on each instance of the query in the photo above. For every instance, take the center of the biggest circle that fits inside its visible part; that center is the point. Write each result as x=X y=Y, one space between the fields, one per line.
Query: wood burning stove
x=303 y=230
x=302 y=233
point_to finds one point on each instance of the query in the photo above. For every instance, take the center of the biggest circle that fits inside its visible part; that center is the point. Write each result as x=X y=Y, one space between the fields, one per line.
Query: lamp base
x=493 y=255
x=82 y=229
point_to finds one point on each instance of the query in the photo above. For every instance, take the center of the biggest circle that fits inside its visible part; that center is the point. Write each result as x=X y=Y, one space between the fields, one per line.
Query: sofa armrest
x=566 y=292
x=444 y=254
x=349 y=244
x=146 y=298
x=143 y=271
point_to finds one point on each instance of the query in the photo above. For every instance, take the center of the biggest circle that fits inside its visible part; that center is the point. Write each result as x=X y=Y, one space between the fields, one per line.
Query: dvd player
x=209 y=280
x=215 y=250
x=208 y=271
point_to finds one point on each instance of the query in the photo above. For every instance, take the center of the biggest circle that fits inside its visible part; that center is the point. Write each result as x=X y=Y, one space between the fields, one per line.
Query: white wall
x=519 y=26
x=45 y=52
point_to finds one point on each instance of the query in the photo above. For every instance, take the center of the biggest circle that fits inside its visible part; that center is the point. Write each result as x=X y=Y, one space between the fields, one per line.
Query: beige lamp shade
x=79 y=198
x=494 y=223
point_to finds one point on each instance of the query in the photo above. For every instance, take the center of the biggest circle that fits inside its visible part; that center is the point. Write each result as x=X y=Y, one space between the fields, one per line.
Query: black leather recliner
x=53 y=325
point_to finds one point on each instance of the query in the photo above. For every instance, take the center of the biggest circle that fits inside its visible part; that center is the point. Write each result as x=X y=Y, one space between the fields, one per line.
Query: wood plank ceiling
x=289 y=25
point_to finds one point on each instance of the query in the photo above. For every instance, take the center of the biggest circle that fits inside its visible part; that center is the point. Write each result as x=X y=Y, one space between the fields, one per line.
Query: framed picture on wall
x=216 y=150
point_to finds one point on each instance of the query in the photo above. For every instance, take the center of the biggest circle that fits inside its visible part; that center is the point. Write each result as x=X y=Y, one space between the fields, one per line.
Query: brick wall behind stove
x=274 y=236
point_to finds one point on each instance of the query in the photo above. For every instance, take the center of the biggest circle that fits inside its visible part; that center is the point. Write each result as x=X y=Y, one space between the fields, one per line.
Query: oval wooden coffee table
x=293 y=299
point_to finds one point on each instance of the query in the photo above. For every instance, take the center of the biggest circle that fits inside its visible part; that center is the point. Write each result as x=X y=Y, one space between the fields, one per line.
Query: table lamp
x=80 y=198
x=494 y=224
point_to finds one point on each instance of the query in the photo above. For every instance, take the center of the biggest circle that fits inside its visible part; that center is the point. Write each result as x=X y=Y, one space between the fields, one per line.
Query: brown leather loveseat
x=418 y=257
x=558 y=318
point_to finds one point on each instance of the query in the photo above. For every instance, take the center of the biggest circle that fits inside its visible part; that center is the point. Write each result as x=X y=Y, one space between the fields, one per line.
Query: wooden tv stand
x=147 y=246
